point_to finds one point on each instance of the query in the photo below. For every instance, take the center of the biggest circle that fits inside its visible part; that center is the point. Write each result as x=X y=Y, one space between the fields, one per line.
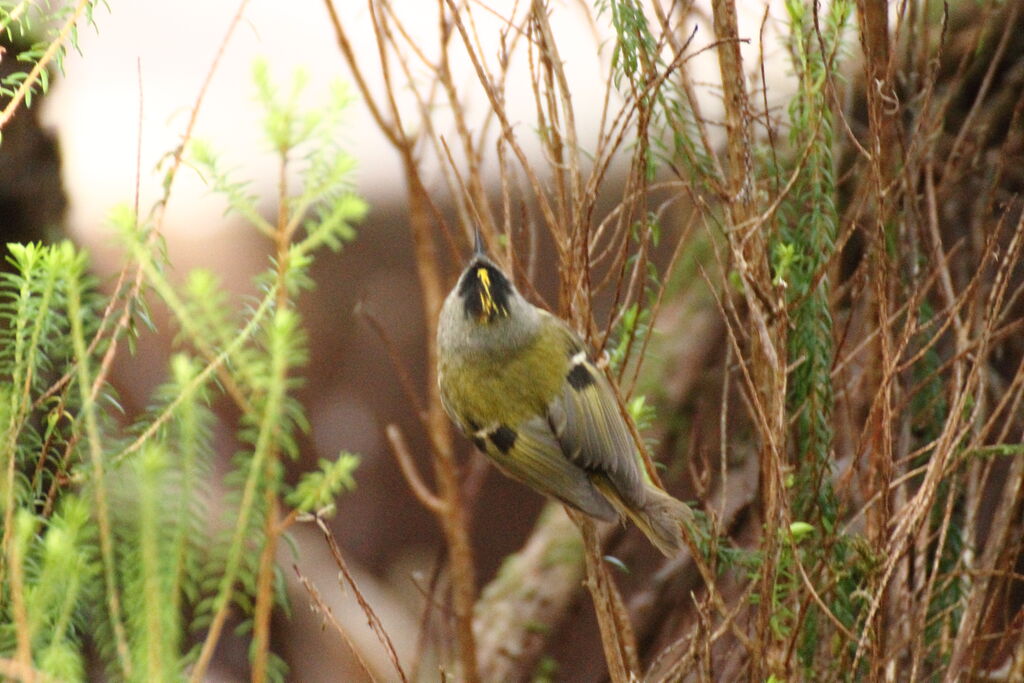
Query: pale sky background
x=171 y=45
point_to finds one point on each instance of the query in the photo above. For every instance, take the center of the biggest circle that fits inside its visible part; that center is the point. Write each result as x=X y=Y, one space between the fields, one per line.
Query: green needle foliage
x=640 y=65
x=804 y=247
x=106 y=522
x=930 y=409
x=37 y=36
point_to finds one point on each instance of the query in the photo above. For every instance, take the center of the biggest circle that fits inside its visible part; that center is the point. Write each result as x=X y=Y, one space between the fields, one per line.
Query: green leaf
x=316 y=491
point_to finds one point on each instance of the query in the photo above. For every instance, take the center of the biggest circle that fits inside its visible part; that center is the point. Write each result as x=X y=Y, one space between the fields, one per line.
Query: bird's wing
x=591 y=431
x=446 y=404
x=531 y=454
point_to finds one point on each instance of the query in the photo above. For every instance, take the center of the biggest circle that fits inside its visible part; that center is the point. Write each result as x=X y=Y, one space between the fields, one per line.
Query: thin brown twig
x=619 y=650
x=371 y=616
x=397 y=362
x=428 y=498
x=326 y=612
x=35 y=73
x=264 y=587
x=453 y=516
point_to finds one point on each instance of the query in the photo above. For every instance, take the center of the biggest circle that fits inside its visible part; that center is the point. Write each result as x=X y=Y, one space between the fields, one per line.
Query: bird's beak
x=478 y=243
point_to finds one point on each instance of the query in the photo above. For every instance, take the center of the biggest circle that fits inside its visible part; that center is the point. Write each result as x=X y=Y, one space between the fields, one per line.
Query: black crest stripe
x=471 y=289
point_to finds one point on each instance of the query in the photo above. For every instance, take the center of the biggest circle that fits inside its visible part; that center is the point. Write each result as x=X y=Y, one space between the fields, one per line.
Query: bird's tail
x=660 y=517
x=661 y=520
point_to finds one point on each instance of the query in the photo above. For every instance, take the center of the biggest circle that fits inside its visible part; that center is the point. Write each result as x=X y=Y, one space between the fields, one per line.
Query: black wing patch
x=579 y=377
x=537 y=459
x=585 y=420
x=503 y=439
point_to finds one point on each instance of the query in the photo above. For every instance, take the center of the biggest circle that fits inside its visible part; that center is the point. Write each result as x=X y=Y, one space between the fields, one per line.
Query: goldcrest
x=518 y=382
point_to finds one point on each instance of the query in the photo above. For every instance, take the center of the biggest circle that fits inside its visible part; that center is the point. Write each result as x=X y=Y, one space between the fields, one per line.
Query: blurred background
x=103 y=134
x=119 y=112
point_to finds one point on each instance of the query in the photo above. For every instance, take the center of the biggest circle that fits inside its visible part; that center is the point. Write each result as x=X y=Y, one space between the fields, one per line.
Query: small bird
x=517 y=381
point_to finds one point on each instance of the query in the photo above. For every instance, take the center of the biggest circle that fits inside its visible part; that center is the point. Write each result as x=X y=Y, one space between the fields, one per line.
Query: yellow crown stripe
x=486 y=301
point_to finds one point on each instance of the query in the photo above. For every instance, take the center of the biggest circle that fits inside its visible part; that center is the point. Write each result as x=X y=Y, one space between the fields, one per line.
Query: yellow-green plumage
x=517 y=381
x=492 y=392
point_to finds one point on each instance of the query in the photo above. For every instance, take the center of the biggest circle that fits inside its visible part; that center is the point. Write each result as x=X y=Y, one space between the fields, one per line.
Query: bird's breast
x=506 y=388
